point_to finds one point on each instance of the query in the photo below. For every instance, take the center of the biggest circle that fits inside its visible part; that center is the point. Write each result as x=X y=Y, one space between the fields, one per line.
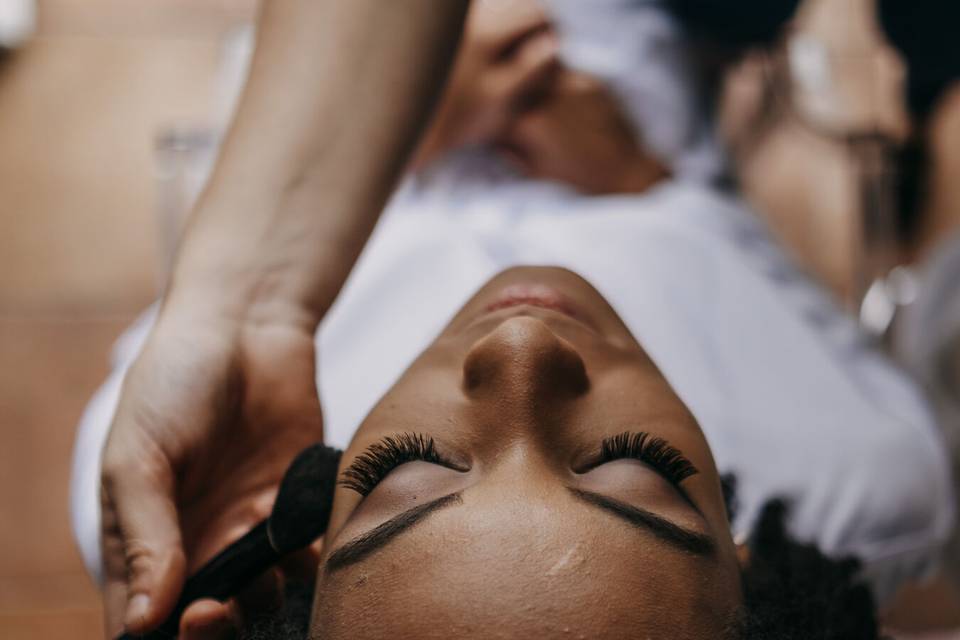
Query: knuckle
x=128 y=453
x=140 y=560
x=144 y=556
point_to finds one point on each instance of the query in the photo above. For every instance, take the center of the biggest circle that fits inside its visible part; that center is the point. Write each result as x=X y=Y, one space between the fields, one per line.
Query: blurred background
x=109 y=115
x=102 y=105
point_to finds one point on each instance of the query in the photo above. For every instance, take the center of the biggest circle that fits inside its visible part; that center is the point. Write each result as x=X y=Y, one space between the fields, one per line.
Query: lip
x=536 y=295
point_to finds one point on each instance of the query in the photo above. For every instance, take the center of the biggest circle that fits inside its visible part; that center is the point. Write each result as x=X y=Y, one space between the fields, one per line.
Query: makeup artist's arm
x=223 y=394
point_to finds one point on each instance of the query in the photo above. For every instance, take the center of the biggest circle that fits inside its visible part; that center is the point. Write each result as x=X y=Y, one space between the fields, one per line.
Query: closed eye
x=369 y=468
x=373 y=465
x=653 y=451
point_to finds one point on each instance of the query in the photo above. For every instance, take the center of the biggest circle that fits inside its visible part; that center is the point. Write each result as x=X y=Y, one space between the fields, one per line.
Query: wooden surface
x=80 y=107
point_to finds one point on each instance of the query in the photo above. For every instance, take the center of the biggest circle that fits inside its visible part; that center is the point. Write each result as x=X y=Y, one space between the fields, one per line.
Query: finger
x=527 y=78
x=302 y=566
x=506 y=24
x=114 y=605
x=212 y=619
x=143 y=553
x=209 y=620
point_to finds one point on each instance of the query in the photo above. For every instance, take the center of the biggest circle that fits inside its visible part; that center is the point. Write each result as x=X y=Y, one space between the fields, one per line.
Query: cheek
x=637 y=397
x=646 y=391
x=423 y=399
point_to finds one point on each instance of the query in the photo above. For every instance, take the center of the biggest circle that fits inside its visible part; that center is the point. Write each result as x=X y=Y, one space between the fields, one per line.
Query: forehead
x=522 y=570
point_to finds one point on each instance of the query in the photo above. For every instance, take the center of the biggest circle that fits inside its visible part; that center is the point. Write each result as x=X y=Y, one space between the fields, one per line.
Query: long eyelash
x=372 y=466
x=653 y=451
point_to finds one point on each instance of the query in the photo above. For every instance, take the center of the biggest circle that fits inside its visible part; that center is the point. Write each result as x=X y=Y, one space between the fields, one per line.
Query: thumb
x=143 y=554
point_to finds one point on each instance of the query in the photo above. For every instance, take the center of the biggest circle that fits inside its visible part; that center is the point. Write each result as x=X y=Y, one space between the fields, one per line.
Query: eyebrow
x=673 y=534
x=366 y=543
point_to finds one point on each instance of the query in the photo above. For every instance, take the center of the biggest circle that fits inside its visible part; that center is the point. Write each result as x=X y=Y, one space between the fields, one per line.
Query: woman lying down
x=547 y=468
x=533 y=474
x=549 y=463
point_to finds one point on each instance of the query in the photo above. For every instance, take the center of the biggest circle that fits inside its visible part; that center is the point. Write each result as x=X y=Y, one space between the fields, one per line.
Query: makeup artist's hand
x=211 y=414
x=508 y=55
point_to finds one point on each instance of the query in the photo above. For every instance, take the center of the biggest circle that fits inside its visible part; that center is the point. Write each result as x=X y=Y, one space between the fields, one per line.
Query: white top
x=788 y=393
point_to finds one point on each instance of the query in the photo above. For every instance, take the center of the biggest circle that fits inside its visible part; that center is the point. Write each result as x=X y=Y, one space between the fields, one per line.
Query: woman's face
x=527 y=514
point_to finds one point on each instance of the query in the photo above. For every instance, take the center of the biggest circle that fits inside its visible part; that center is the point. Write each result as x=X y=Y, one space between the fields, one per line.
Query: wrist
x=231 y=300
x=233 y=306
x=228 y=272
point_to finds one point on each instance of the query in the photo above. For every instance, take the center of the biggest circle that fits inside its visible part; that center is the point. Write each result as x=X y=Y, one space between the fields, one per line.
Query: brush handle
x=224 y=576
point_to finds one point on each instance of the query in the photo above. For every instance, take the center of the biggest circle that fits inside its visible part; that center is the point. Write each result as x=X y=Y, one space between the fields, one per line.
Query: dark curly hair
x=742 y=23
x=792 y=591
x=290 y=622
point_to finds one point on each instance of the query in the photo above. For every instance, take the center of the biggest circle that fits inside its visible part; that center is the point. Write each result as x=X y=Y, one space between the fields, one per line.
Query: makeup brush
x=300 y=516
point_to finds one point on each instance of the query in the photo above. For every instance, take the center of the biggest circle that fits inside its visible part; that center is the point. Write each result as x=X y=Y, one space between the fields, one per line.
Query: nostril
x=477 y=369
x=574 y=373
x=561 y=372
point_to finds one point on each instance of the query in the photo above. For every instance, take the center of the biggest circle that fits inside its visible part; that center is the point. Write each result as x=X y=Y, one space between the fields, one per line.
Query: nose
x=523 y=363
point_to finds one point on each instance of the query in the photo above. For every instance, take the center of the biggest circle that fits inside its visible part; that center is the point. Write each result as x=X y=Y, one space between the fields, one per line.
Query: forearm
x=337 y=95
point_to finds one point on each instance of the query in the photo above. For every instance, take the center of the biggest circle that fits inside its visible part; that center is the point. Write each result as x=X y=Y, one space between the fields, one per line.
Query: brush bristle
x=302 y=510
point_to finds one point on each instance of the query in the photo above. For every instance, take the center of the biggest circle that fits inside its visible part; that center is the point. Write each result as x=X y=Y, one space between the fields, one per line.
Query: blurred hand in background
x=508 y=56
x=579 y=135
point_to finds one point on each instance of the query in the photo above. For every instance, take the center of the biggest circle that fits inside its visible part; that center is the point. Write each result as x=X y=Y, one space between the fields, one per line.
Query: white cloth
x=641 y=52
x=789 y=396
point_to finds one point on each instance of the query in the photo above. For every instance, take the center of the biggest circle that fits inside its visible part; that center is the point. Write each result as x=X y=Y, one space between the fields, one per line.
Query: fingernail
x=137 y=609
